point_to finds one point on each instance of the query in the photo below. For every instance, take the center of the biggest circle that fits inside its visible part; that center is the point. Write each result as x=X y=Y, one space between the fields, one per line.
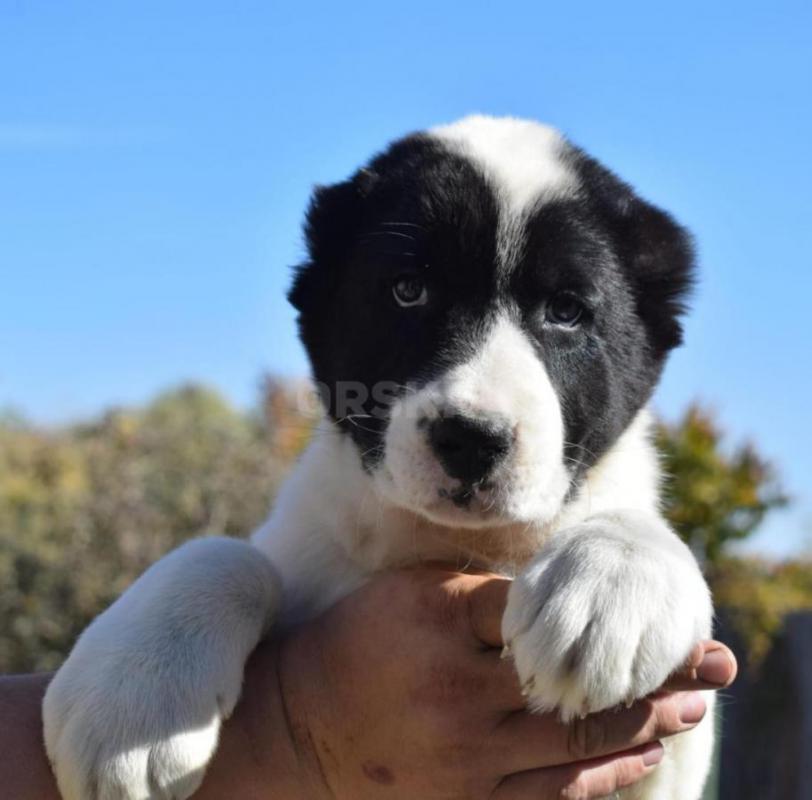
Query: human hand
x=399 y=692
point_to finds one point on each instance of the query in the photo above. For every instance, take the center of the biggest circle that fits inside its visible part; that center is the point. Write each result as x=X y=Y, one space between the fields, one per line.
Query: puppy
x=487 y=310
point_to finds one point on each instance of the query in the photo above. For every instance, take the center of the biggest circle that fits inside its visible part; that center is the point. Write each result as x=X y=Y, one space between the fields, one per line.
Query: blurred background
x=155 y=161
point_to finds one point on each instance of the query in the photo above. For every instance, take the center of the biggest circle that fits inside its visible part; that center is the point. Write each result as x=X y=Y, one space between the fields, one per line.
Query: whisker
x=406 y=387
x=404 y=225
x=576 y=461
x=376 y=449
x=362 y=428
x=388 y=233
x=581 y=447
x=395 y=253
x=351 y=419
x=467 y=565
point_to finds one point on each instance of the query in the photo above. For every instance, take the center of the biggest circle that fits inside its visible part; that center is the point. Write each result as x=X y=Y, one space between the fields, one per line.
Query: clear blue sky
x=155 y=159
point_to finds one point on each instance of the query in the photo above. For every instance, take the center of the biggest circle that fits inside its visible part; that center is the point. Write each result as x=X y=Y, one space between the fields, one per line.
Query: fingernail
x=654 y=754
x=715 y=668
x=691 y=708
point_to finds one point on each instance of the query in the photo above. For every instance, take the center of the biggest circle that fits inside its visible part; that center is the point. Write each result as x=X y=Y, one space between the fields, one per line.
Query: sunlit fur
x=499 y=214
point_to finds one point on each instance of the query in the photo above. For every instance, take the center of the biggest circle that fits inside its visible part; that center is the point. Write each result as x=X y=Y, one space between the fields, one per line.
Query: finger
x=711 y=665
x=486 y=601
x=587 y=779
x=526 y=741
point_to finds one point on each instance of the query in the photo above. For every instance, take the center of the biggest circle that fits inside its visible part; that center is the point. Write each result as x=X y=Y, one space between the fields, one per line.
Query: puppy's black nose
x=469 y=449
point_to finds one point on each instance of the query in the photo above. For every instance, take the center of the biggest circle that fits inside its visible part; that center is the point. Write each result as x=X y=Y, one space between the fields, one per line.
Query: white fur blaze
x=522 y=159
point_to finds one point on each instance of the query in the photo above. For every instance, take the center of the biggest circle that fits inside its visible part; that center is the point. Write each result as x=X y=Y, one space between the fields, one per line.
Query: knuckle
x=665 y=716
x=626 y=772
x=586 y=736
x=621 y=773
x=438 y=608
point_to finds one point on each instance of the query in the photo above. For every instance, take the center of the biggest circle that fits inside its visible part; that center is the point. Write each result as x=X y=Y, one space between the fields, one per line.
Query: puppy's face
x=486 y=308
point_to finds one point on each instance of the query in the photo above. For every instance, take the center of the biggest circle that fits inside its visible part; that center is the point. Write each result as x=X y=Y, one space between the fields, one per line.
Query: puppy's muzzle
x=469 y=448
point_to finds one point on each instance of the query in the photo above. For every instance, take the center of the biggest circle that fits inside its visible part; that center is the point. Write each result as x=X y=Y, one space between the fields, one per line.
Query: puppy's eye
x=565 y=309
x=409 y=290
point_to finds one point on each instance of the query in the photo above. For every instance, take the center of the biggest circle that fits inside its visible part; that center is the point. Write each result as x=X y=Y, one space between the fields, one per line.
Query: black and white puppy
x=487 y=311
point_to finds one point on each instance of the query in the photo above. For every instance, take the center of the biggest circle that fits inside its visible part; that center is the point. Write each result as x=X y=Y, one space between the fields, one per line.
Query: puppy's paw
x=129 y=732
x=135 y=711
x=603 y=616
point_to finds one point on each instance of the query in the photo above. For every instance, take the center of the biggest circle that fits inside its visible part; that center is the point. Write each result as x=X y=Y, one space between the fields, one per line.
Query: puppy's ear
x=659 y=257
x=331 y=223
x=656 y=253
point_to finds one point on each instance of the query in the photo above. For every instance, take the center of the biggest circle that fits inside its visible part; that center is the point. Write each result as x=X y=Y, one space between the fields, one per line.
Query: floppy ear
x=331 y=222
x=656 y=253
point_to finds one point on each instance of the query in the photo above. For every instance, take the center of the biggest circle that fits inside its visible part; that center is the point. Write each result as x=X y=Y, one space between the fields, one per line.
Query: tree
x=85 y=509
x=713 y=496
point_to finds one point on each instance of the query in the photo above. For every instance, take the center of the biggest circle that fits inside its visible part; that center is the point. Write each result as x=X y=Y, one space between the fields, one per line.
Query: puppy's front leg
x=135 y=711
x=605 y=613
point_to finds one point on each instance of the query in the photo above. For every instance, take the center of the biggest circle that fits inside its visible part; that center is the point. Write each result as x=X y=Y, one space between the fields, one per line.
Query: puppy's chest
x=403 y=539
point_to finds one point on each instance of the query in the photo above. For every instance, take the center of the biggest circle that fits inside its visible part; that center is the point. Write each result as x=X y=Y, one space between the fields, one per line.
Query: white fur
x=607 y=601
x=522 y=159
x=585 y=618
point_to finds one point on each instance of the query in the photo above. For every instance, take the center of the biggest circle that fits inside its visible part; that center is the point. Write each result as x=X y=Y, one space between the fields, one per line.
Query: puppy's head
x=486 y=308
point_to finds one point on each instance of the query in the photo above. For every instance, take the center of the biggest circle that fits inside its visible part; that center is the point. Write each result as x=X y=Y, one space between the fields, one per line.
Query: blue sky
x=155 y=159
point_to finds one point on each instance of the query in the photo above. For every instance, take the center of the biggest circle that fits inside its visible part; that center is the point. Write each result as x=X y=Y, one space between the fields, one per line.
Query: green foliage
x=758 y=594
x=86 y=509
x=713 y=497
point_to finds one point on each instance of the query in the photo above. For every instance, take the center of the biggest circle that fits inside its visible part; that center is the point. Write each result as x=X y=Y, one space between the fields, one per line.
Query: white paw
x=135 y=711
x=145 y=739
x=605 y=613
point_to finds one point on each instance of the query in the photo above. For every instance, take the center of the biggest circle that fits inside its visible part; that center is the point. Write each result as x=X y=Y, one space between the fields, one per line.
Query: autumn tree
x=713 y=494
x=85 y=509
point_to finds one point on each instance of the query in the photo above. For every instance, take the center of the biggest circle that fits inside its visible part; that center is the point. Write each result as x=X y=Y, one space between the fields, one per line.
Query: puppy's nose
x=469 y=449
